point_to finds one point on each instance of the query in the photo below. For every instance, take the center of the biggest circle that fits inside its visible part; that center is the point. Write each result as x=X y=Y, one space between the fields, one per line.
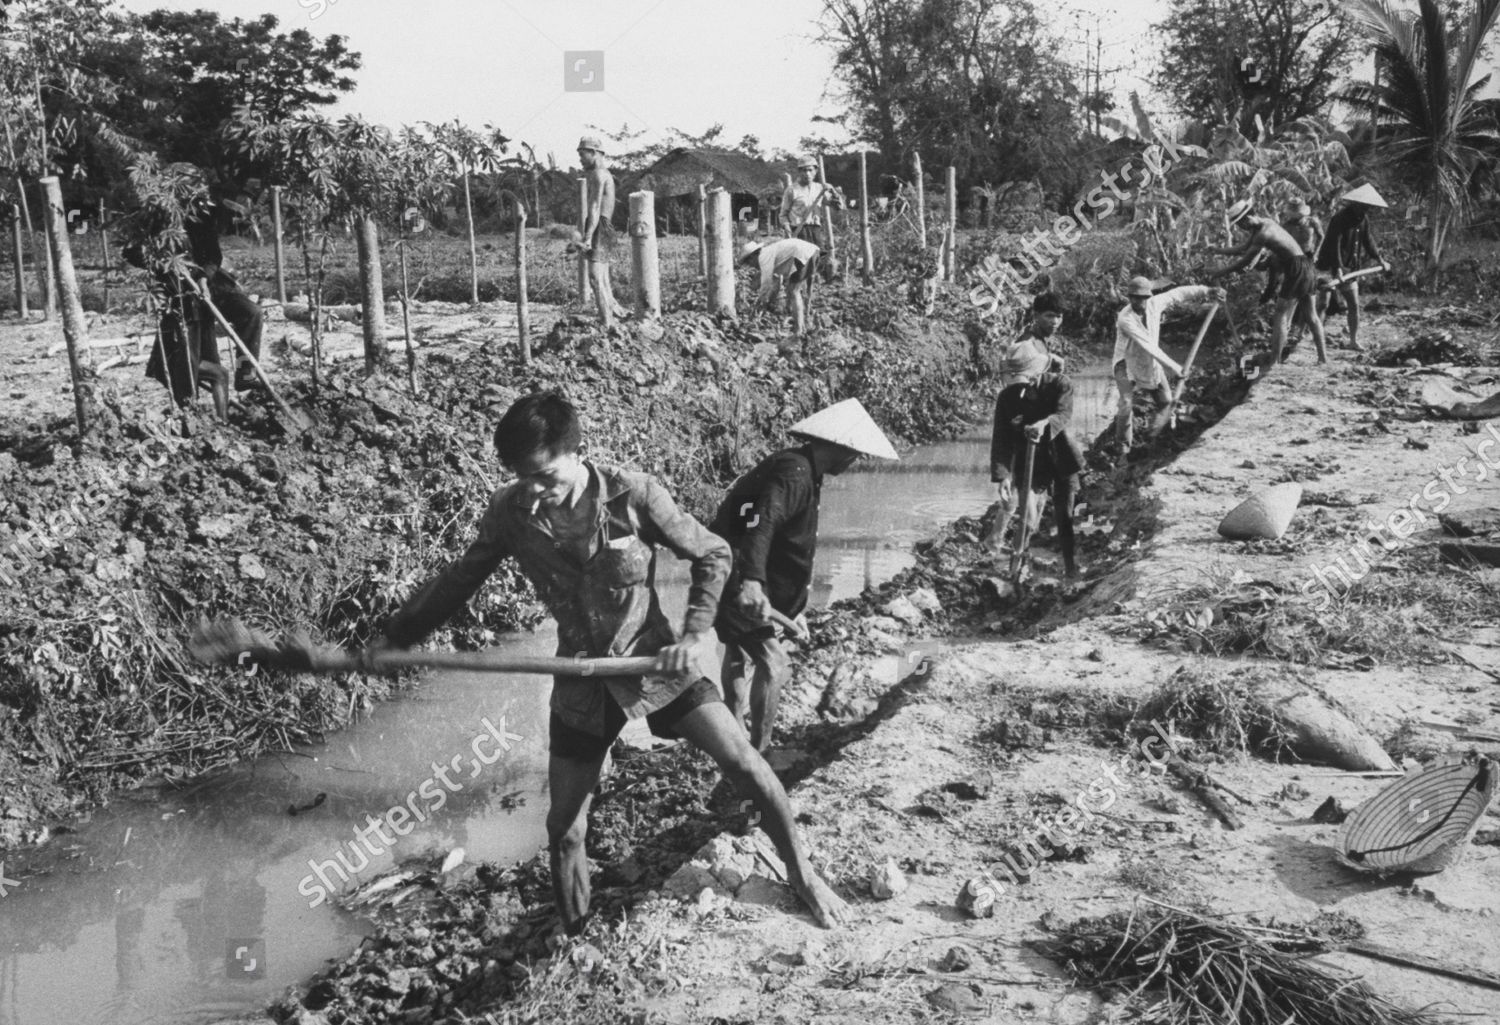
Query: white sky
x=752 y=64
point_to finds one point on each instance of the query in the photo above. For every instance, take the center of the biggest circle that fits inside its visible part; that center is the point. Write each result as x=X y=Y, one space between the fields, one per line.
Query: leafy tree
x=1298 y=51
x=1434 y=128
x=979 y=84
x=182 y=74
x=467 y=152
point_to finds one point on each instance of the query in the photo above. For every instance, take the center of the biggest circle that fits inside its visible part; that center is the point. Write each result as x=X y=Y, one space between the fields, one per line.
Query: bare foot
x=826 y=906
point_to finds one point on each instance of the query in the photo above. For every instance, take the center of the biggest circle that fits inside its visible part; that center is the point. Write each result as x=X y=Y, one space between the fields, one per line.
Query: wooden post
x=703 y=231
x=372 y=293
x=827 y=215
x=74 y=327
x=583 y=222
x=720 y=254
x=473 y=250
x=19 y=254
x=523 y=303
x=950 y=266
x=49 y=263
x=916 y=163
x=104 y=250
x=645 y=272
x=411 y=352
x=277 y=245
x=867 y=255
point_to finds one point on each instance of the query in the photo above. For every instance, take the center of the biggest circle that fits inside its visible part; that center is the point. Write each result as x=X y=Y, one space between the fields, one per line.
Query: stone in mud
x=758 y=889
x=1331 y=812
x=924 y=599
x=957 y=999
x=902 y=608
x=887 y=880
x=999 y=588
x=690 y=880
x=974 y=788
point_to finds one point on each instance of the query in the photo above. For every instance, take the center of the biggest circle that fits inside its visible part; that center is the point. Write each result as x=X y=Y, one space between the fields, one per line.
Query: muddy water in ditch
x=188 y=905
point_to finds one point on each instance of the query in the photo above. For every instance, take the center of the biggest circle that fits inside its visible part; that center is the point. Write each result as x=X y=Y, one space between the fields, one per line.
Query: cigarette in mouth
x=536 y=503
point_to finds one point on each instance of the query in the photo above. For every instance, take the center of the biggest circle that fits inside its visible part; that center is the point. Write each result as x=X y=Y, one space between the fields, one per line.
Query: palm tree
x=1433 y=125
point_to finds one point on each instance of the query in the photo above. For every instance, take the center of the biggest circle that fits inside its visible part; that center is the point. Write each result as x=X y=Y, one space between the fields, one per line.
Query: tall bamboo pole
x=523 y=303
x=583 y=223
x=827 y=214
x=75 y=332
x=278 y=246
x=703 y=231
x=916 y=161
x=19 y=255
x=950 y=267
x=104 y=251
x=473 y=250
x=645 y=271
x=867 y=272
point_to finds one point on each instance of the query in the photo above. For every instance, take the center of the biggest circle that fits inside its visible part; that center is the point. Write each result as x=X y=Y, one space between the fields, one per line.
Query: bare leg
x=794 y=298
x=711 y=729
x=1003 y=515
x=1063 y=491
x=1284 y=310
x=1125 y=409
x=604 y=302
x=1308 y=311
x=733 y=679
x=571 y=784
x=772 y=667
x=1351 y=299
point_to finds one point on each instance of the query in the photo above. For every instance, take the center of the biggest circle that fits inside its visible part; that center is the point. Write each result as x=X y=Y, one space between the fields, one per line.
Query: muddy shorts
x=604 y=242
x=1299 y=279
x=579 y=746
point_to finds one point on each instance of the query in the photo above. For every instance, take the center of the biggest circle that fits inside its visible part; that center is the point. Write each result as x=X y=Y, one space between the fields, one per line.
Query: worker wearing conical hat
x=1299 y=281
x=1348 y=235
x=770 y=519
x=792 y=260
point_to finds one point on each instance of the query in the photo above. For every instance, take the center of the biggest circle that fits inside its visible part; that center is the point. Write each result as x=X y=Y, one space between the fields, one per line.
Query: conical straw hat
x=1265 y=514
x=1421 y=823
x=846 y=423
x=1365 y=194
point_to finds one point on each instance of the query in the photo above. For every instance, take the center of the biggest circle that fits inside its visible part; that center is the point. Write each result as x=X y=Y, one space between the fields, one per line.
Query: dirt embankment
x=984 y=744
x=115 y=546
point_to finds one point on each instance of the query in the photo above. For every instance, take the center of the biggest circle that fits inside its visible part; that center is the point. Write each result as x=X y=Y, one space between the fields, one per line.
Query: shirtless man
x=1299 y=282
x=598 y=232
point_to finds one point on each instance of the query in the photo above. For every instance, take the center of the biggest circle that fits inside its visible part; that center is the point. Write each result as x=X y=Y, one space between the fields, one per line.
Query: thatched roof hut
x=681 y=171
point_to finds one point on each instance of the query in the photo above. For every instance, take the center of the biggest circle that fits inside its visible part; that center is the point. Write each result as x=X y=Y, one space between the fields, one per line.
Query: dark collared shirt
x=605 y=606
x=1050 y=398
x=770 y=519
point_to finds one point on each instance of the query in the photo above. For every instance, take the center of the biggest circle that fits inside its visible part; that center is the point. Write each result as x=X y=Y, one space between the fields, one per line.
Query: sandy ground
x=745 y=965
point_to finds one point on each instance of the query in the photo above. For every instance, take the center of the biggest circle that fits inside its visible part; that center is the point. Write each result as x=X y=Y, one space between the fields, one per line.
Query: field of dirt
x=929 y=728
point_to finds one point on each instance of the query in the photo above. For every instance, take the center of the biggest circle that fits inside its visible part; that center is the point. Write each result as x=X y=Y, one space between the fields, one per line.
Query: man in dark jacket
x=770 y=519
x=1349 y=236
x=585 y=536
x=1036 y=410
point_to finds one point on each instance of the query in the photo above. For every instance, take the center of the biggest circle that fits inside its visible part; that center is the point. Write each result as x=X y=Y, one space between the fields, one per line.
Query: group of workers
x=586 y=534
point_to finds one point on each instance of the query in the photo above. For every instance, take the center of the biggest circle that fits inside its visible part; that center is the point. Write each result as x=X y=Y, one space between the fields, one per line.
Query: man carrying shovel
x=585 y=535
x=770 y=519
x=1294 y=268
x=1032 y=454
x=1348 y=235
x=1138 y=358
